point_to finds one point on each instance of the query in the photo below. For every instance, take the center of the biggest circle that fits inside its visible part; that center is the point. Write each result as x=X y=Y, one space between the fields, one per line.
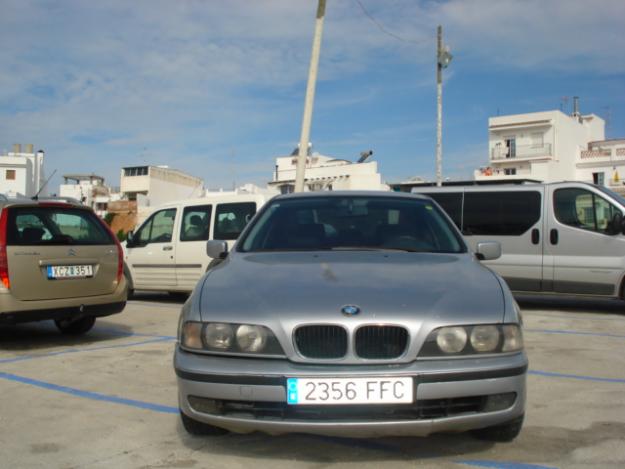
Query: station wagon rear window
x=54 y=226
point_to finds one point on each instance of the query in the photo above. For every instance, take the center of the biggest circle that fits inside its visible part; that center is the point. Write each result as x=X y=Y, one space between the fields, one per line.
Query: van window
x=451 y=203
x=583 y=209
x=230 y=219
x=500 y=213
x=37 y=226
x=158 y=229
x=195 y=223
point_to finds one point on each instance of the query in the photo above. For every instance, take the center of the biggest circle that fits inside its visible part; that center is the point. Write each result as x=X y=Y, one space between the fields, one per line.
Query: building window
x=10 y=175
x=598 y=178
x=509 y=171
x=510 y=147
x=537 y=140
x=136 y=171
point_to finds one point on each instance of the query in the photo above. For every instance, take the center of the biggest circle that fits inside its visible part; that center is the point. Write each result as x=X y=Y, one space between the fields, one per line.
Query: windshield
x=617 y=197
x=352 y=223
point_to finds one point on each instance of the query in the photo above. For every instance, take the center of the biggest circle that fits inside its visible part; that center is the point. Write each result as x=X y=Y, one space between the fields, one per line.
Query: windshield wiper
x=373 y=248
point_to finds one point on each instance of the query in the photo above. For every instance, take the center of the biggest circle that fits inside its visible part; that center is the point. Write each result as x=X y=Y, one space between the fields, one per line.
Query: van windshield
x=352 y=223
x=617 y=197
x=53 y=226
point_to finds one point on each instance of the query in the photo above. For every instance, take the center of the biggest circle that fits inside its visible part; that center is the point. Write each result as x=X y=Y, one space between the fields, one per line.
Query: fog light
x=496 y=402
x=205 y=406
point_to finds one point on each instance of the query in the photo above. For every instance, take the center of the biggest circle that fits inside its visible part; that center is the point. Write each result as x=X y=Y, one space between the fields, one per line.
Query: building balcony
x=602 y=155
x=521 y=152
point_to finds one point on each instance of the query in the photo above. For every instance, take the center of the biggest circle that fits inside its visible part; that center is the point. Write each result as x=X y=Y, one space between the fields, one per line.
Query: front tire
x=194 y=427
x=75 y=326
x=505 y=432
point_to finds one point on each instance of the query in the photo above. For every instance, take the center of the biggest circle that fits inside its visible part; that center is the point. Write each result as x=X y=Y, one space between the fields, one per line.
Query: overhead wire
x=386 y=31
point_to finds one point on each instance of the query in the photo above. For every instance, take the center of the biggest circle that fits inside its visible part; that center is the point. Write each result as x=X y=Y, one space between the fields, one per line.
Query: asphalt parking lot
x=108 y=399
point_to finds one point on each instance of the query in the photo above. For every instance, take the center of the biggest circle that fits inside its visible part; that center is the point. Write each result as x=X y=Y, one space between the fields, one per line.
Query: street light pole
x=443 y=57
x=310 y=98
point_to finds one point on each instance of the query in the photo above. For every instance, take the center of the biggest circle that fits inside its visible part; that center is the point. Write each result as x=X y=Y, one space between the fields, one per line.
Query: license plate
x=332 y=391
x=70 y=271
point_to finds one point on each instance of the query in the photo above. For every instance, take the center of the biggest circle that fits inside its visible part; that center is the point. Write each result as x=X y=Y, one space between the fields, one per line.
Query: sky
x=216 y=88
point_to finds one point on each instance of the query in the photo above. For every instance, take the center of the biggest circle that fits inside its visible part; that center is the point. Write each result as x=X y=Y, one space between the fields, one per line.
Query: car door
x=583 y=257
x=152 y=255
x=231 y=219
x=514 y=219
x=191 y=258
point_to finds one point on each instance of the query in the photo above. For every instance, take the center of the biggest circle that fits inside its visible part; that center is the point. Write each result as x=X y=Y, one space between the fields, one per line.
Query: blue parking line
x=557 y=331
x=551 y=374
x=90 y=395
x=503 y=465
x=89 y=349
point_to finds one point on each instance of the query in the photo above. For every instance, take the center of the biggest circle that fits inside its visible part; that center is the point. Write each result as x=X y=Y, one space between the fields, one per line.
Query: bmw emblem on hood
x=350 y=310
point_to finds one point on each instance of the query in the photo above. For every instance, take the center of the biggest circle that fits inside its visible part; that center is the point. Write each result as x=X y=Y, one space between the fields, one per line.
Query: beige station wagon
x=58 y=261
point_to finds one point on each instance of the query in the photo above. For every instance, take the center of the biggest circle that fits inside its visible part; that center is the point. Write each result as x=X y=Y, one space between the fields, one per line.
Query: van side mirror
x=130 y=239
x=488 y=250
x=217 y=249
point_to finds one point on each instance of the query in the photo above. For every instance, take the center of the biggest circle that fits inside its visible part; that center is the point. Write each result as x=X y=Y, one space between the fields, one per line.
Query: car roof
x=28 y=202
x=372 y=194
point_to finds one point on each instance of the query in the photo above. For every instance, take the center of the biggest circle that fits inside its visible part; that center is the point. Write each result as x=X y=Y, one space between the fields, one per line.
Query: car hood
x=389 y=287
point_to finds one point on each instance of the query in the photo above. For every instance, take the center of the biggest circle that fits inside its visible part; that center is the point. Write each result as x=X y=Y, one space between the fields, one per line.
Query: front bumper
x=261 y=384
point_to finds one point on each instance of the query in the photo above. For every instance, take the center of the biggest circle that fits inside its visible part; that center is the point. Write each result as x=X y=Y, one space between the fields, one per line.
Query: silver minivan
x=559 y=238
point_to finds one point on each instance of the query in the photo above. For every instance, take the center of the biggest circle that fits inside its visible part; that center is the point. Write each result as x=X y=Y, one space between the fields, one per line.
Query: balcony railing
x=521 y=151
x=602 y=153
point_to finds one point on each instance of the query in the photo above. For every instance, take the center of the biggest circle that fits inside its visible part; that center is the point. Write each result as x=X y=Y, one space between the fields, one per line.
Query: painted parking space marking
x=503 y=465
x=551 y=374
x=87 y=349
x=164 y=409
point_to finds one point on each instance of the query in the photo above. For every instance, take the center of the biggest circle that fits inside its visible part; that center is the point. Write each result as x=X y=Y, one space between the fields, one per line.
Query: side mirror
x=217 y=249
x=488 y=250
x=130 y=239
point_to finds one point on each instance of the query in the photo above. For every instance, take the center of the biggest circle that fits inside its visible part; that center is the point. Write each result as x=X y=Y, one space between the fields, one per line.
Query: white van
x=560 y=238
x=168 y=251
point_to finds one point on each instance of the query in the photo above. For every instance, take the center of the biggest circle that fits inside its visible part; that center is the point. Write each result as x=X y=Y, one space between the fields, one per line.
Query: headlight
x=227 y=338
x=484 y=338
x=451 y=339
x=251 y=338
x=472 y=340
x=218 y=336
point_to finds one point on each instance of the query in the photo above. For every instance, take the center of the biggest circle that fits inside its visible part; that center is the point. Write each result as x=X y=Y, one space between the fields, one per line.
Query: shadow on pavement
x=175 y=298
x=321 y=449
x=44 y=334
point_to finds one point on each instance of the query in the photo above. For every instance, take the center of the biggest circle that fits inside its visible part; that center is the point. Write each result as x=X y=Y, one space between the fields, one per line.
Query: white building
x=603 y=162
x=544 y=146
x=151 y=186
x=156 y=185
x=21 y=172
x=88 y=189
x=326 y=173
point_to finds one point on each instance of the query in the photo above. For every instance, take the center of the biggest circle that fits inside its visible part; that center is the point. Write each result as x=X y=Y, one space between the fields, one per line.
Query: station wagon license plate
x=333 y=391
x=69 y=271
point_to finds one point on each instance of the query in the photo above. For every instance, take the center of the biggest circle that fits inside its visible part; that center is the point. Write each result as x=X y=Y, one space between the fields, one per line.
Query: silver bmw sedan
x=352 y=314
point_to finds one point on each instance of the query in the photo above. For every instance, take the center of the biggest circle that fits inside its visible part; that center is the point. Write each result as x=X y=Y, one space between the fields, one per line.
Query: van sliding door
x=514 y=218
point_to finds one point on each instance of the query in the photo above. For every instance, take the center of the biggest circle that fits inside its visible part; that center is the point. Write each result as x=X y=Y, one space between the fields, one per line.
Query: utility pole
x=310 y=98
x=443 y=57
